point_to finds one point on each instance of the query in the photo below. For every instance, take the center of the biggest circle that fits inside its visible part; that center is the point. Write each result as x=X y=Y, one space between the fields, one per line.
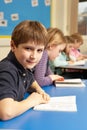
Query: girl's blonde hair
x=52 y=36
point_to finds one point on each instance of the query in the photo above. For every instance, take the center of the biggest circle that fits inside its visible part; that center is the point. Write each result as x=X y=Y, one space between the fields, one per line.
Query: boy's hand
x=37 y=99
x=44 y=95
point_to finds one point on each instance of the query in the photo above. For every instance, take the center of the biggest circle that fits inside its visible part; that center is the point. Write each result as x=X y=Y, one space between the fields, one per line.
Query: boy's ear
x=12 y=46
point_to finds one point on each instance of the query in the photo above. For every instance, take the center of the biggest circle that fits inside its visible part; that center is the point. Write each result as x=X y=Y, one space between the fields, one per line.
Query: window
x=82 y=17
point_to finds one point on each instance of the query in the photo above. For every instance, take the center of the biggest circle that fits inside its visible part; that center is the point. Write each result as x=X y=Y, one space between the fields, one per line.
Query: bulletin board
x=14 y=11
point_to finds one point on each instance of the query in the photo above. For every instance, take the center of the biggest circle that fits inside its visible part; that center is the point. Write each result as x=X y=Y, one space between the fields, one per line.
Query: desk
x=43 y=120
x=80 y=67
x=82 y=75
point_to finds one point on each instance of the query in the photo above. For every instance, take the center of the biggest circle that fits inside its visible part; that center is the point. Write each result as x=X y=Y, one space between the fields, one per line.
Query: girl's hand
x=71 y=62
x=61 y=79
x=56 y=77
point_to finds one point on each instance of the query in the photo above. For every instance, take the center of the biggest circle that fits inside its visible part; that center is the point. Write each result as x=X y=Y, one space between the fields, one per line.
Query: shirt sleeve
x=60 y=60
x=74 y=54
x=42 y=71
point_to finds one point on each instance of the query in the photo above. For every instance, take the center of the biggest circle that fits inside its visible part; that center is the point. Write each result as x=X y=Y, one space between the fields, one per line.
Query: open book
x=70 y=83
x=80 y=62
x=63 y=103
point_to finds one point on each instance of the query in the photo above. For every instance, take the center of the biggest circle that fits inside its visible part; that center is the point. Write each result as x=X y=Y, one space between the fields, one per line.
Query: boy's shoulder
x=6 y=65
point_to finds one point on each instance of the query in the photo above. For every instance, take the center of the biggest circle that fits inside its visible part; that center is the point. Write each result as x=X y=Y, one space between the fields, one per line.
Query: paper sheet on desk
x=80 y=62
x=64 y=103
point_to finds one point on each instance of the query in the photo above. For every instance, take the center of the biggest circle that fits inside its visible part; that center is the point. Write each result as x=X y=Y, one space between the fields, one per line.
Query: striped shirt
x=42 y=71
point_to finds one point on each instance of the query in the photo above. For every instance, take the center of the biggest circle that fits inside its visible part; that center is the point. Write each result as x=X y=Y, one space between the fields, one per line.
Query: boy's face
x=28 y=54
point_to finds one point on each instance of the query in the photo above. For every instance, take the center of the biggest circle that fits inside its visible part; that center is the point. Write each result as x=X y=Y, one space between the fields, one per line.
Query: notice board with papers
x=14 y=11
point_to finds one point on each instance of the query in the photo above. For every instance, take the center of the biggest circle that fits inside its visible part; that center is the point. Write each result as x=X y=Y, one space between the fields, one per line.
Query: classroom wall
x=83 y=48
x=14 y=11
x=64 y=15
x=60 y=10
x=4 y=47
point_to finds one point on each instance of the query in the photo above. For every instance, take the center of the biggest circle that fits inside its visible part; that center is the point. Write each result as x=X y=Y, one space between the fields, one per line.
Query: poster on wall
x=14 y=11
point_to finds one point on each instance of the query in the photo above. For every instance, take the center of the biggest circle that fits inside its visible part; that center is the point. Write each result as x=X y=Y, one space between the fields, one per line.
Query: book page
x=64 y=103
x=80 y=62
x=70 y=83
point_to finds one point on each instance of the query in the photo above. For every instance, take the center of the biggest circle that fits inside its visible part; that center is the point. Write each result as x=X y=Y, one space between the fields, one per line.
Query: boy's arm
x=35 y=86
x=9 y=108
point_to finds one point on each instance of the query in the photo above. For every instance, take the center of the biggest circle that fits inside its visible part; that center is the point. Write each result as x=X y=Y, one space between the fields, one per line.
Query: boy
x=27 y=45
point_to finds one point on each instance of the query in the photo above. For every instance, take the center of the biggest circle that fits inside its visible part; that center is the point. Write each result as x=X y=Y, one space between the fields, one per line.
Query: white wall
x=4 y=47
x=64 y=15
x=58 y=14
x=83 y=47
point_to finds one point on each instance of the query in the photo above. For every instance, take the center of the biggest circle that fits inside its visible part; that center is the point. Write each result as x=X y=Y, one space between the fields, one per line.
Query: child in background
x=63 y=58
x=28 y=41
x=55 y=44
x=75 y=53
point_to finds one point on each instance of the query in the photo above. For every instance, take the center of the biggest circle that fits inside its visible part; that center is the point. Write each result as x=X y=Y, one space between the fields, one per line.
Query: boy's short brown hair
x=29 y=31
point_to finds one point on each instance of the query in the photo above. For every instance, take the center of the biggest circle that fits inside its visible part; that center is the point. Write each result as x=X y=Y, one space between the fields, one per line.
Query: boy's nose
x=33 y=55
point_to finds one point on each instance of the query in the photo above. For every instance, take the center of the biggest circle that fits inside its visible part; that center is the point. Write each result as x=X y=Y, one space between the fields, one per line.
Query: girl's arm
x=42 y=71
x=60 y=60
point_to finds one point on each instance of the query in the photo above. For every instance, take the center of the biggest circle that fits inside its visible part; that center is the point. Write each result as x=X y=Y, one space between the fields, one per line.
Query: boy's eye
x=40 y=50
x=28 y=48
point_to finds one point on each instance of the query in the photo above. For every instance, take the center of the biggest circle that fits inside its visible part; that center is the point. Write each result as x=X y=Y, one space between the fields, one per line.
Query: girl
x=55 y=44
x=63 y=58
x=75 y=54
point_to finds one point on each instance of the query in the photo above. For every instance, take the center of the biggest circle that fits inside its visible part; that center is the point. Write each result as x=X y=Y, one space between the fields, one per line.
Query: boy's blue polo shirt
x=14 y=79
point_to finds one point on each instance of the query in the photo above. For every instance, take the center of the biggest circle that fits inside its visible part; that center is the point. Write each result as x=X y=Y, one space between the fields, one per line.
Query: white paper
x=65 y=103
x=67 y=81
x=80 y=62
x=3 y=23
x=70 y=83
x=14 y=17
x=8 y=1
x=47 y=2
x=34 y=3
x=1 y=15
